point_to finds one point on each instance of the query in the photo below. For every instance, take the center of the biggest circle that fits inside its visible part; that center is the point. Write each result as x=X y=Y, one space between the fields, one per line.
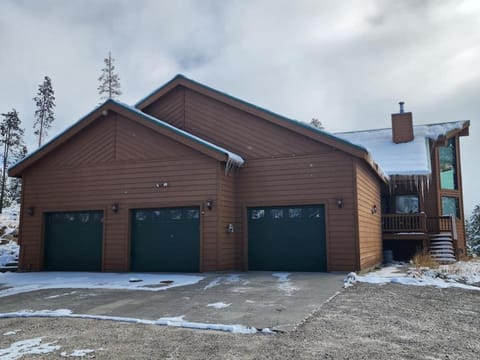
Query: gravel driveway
x=362 y=322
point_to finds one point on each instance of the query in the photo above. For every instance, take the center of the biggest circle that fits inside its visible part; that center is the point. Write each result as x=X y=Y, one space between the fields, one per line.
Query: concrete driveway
x=277 y=301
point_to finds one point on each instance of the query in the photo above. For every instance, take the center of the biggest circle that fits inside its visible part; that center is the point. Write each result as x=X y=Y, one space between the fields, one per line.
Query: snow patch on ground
x=9 y=222
x=25 y=282
x=60 y=295
x=13 y=332
x=9 y=218
x=285 y=284
x=227 y=280
x=458 y=275
x=177 y=321
x=219 y=305
x=29 y=346
x=464 y=271
x=79 y=353
x=8 y=253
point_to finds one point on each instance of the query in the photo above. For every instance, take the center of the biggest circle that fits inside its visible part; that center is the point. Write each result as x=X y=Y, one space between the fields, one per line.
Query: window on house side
x=448 y=168
x=450 y=206
x=406 y=204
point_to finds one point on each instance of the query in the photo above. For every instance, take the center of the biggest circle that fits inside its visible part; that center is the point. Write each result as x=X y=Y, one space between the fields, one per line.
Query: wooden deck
x=416 y=226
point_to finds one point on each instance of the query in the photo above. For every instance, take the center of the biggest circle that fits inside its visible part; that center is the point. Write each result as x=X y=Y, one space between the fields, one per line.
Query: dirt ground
x=362 y=322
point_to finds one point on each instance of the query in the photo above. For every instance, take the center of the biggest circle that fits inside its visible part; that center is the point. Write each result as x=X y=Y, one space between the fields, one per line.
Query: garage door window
x=276 y=214
x=257 y=214
x=295 y=213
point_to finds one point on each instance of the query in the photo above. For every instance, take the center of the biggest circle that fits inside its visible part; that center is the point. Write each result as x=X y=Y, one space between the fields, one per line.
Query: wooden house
x=191 y=179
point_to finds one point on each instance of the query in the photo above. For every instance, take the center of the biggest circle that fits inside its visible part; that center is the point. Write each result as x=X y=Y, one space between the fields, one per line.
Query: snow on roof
x=412 y=158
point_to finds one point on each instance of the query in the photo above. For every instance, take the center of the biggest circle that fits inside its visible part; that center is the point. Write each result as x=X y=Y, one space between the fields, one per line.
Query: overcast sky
x=347 y=63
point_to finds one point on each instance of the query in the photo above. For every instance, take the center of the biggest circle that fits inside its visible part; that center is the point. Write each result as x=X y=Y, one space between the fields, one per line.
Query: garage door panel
x=73 y=241
x=165 y=240
x=287 y=238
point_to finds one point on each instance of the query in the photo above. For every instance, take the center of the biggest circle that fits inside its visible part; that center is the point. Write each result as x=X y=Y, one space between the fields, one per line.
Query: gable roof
x=411 y=158
x=296 y=126
x=203 y=146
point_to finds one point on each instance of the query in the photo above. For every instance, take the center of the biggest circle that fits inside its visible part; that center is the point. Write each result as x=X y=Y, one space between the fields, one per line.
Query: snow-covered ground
x=462 y=274
x=17 y=283
x=9 y=222
x=177 y=321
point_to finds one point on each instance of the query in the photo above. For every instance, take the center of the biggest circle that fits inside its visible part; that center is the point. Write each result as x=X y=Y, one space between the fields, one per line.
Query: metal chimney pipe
x=401 y=103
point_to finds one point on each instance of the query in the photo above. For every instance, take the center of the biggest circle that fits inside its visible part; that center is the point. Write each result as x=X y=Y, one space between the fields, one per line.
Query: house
x=192 y=179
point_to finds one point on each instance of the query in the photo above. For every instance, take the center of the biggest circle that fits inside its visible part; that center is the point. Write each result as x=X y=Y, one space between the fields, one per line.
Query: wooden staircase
x=442 y=248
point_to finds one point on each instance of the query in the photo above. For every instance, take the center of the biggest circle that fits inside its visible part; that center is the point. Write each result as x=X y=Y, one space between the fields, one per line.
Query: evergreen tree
x=14 y=185
x=109 y=87
x=473 y=231
x=11 y=137
x=45 y=101
x=316 y=123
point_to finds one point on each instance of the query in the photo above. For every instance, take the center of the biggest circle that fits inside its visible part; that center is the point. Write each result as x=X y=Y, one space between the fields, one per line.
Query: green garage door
x=73 y=241
x=287 y=238
x=166 y=239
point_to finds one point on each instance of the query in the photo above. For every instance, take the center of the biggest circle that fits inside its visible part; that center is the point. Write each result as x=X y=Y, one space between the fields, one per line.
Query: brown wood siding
x=89 y=185
x=402 y=127
x=432 y=199
x=312 y=179
x=136 y=142
x=95 y=144
x=228 y=249
x=241 y=132
x=433 y=202
x=369 y=224
x=170 y=108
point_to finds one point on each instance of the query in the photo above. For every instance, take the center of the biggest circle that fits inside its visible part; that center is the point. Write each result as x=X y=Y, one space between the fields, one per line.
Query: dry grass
x=423 y=259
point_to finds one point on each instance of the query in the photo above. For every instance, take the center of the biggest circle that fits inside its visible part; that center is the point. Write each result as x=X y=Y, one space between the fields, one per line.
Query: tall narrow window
x=448 y=166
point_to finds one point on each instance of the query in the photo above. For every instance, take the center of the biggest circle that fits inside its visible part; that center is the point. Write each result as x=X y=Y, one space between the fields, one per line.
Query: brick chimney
x=402 y=126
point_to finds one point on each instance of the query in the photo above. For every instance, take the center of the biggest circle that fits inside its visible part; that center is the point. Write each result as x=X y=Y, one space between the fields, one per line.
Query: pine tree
x=45 y=101
x=11 y=137
x=317 y=124
x=109 y=87
x=14 y=185
x=473 y=231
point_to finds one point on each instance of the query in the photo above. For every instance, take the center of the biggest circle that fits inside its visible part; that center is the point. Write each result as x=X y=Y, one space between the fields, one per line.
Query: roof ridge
x=264 y=110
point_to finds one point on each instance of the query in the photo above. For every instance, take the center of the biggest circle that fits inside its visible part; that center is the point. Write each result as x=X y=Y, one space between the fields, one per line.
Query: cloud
x=347 y=63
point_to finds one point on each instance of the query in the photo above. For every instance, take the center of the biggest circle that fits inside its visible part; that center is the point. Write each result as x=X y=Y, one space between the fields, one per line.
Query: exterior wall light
x=31 y=211
x=374 y=209
x=209 y=204
x=340 y=203
x=230 y=229
x=115 y=207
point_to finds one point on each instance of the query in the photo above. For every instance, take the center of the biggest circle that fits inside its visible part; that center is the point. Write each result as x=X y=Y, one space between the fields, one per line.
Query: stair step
x=441 y=245
x=8 y=268
x=442 y=255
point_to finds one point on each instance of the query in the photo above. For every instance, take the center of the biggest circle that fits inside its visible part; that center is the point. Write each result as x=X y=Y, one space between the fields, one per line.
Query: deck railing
x=398 y=223
x=441 y=224
x=418 y=223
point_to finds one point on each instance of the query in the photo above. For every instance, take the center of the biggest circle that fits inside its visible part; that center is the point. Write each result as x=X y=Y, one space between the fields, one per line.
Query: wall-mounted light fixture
x=374 y=209
x=339 y=203
x=163 y=184
x=31 y=211
x=230 y=228
x=209 y=204
x=115 y=207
